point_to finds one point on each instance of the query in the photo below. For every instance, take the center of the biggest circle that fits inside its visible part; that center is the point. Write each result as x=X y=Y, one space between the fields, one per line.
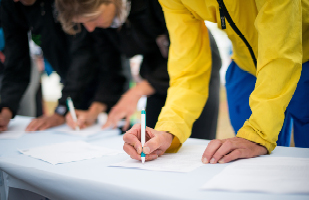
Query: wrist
x=61 y=110
x=169 y=136
x=144 y=88
x=56 y=115
x=96 y=108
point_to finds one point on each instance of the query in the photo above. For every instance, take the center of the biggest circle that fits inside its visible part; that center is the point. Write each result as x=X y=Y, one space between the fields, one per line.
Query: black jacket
x=138 y=35
x=66 y=54
x=96 y=72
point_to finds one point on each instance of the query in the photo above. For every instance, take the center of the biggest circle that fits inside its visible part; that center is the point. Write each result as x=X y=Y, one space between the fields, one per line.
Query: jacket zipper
x=225 y=14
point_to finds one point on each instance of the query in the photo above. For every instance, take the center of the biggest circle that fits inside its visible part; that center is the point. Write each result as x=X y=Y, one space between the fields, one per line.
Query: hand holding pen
x=156 y=143
x=72 y=111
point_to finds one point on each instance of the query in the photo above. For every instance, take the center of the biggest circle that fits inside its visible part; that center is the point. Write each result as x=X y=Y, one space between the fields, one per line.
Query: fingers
x=210 y=150
x=70 y=121
x=35 y=124
x=44 y=126
x=234 y=155
x=127 y=125
x=81 y=120
x=3 y=128
x=111 y=121
x=226 y=147
x=113 y=117
x=132 y=137
x=151 y=145
x=130 y=150
x=227 y=150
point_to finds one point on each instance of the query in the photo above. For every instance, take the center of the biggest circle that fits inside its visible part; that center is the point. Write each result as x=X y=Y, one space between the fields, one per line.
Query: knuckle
x=237 y=153
x=125 y=136
x=216 y=141
x=228 y=143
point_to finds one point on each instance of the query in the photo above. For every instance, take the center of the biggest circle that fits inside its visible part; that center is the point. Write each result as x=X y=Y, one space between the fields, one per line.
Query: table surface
x=94 y=179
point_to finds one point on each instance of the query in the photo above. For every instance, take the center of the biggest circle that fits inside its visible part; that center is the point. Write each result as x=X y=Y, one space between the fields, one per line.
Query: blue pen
x=143 y=133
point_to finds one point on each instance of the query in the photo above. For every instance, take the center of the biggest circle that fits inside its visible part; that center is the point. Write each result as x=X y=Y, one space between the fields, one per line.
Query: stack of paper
x=186 y=160
x=68 y=152
x=264 y=174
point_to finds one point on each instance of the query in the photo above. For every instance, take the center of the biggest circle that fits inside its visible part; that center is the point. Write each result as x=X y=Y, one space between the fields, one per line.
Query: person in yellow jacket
x=270 y=41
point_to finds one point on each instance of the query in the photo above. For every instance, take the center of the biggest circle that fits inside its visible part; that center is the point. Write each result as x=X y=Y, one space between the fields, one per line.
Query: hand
x=45 y=122
x=84 y=119
x=5 y=117
x=224 y=151
x=125 y=108
x=157 y=142
x=2 y=57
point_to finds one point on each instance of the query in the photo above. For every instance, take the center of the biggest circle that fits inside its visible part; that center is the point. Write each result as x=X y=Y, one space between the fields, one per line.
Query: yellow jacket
x=277 y=31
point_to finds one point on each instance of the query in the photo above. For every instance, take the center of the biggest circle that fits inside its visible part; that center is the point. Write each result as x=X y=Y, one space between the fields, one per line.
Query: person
x=270 y=42
x=65 y=54
x=141 y=29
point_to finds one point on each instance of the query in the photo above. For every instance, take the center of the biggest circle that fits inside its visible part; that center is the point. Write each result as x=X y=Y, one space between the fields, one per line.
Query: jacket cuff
x=254 y=137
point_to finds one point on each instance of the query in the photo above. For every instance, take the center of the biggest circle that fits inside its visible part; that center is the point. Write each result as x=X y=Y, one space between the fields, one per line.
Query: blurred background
x=51 y=86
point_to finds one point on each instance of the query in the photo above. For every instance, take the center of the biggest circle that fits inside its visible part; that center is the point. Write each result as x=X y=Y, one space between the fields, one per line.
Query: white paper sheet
x=186 y=160
x=68 y=152
x=89 y=131
x=16 y=128
x=264 y=174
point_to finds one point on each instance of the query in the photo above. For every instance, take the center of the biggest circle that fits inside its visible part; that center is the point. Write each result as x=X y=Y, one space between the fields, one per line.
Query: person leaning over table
x=65 y=54
x=141 y=28
x=270 y=41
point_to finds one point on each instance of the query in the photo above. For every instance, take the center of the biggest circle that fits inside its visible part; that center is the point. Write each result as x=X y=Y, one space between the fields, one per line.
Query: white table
x=93 y=179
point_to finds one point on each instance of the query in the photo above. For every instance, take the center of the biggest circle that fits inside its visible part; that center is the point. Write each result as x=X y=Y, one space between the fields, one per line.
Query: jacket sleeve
x=17 y=65
x=81 y=70
x=279 y=64
x=189 y=68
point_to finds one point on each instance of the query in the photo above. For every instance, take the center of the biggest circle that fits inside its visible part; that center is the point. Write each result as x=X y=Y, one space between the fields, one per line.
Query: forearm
x=97 y=107
x=143 y=88
x=278 y=70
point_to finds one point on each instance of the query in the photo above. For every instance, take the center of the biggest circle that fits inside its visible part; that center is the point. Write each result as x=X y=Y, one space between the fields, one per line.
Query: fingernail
x=139 y=150
x=212 y=161
x=221 y=161
x=146 y=150
x=204 y=160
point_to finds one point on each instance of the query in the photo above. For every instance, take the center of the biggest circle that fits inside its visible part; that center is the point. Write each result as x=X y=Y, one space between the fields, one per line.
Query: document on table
x=89 y=131
x=187 y=159
x=16 y=128
x=68 y=152
x=264 y=174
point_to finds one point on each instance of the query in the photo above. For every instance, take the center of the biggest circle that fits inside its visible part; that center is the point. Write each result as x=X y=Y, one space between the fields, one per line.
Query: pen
x=143 y=129
x=72 y=111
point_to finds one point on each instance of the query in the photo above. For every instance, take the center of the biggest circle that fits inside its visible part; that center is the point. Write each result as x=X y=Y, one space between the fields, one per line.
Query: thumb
x=152 y=145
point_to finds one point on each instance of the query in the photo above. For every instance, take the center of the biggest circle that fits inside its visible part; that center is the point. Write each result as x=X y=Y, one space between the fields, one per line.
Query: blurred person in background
x=138 y=27
x=63 y=52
